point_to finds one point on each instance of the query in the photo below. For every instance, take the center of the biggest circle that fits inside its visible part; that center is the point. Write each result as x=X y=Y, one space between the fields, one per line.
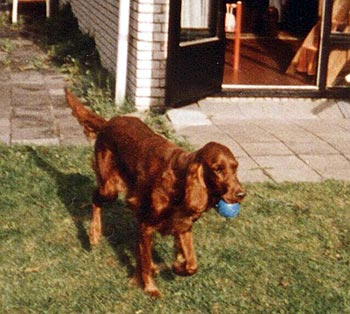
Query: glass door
x=279 y=44
x=338 y=65
x=195 y=50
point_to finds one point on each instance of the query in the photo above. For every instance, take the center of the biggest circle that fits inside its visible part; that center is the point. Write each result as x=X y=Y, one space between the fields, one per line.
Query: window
x=196 y=20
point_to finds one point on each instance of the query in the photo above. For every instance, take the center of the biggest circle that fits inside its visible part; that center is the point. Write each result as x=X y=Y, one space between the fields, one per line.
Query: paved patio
x=274 y=139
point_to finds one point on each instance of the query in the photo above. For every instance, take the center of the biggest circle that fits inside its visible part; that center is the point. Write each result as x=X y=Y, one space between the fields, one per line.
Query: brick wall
x=147 y=43
x=148 y=52
x=99 y=19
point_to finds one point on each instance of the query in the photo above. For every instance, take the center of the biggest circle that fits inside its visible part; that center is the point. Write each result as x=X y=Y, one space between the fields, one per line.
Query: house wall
x=147 y=52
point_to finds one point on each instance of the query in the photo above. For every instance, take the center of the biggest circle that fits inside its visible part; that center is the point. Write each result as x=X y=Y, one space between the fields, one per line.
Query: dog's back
x=135 y=147
x=124 y=144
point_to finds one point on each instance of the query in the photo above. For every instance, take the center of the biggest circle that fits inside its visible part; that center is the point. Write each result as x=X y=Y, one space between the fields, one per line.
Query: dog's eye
x=218 y=169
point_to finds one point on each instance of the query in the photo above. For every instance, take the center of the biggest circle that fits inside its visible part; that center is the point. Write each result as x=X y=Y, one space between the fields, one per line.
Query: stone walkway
x=32 y=103
x=34 y=110
x=275 y=139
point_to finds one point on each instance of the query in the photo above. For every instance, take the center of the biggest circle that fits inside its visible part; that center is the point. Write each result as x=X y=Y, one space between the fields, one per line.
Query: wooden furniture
x=15 y=8
x=305 y=60
x=236 y=8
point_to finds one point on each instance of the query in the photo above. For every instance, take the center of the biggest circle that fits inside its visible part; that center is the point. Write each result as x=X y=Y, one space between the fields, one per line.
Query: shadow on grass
x=75 y=191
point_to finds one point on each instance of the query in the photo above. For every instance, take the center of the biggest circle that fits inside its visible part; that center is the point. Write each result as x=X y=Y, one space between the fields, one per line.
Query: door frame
x=319 y=90
x=180 y=54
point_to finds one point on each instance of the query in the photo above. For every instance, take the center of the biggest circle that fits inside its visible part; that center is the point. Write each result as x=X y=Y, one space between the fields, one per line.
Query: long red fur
x=167 y=187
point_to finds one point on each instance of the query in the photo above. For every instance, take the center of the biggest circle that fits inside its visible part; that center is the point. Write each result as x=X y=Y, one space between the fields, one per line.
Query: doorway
x=196 y=50
x=279 y=44
x=287 y=48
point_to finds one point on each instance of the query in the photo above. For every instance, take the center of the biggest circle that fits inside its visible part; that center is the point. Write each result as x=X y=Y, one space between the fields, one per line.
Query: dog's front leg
x=145 y=264
x=186 y=262
x=96 y=222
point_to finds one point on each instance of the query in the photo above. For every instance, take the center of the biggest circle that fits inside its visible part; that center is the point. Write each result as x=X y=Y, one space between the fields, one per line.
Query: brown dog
x=168 y=188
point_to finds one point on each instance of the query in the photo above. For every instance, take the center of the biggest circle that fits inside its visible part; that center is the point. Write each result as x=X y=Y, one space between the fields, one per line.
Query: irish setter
x=167 y=187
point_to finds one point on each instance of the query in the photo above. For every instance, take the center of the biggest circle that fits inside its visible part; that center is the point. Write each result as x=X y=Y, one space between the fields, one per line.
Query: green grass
x=287 y=252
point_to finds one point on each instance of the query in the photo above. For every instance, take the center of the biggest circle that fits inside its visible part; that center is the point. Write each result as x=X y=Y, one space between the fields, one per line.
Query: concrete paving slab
x=73 y=141
x=201 y=135
x=6 y=113
x=246 y=132
x=4 y=123
x=56 y=92
x=29 y=90
x=266 y=149
x=249 y=171
x=287 y=169
x=31 y=122
x=186 y=118
x=30 y=133
x=294 y=108
x=316 y=147
x=3 y=56
x=221 y=111
x=70 y=132
x=276 y=125
x=345 y=125
x=5 y=130
x=288 y=136
x=332 y=137
x=5 y=76
x=326 y=109
x=5 y=99
x=32 y=102
x=63 y=113
x=322 y=126
x=69 y=125
x=55 y=81
x=253 y=176
x=343 y=146
x=58 y=102
x=37 y=141
x=344 y=106
x=26 y=79
x=5 y=138
x=329 y=166
x=264 y=108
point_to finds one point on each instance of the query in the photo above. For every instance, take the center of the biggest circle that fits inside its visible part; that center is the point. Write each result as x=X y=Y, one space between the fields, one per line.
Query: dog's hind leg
x=96 y=223
x=106 y=193
x=110 y=184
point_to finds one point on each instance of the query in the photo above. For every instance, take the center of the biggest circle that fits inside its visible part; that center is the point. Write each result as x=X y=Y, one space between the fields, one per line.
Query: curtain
x=195 y=13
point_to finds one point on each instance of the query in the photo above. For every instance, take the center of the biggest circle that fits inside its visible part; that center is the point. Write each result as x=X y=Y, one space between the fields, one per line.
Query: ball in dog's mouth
x=228 y=210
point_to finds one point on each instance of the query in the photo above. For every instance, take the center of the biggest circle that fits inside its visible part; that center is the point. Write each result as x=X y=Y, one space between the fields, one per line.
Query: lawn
x=287 y=252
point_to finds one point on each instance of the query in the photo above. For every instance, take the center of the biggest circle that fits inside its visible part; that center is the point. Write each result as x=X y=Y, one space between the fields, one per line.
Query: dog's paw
x=149 y=289
x=94 y=239
x=152 y=291
x=181 y=269
x=135 y=281
x=94 y=234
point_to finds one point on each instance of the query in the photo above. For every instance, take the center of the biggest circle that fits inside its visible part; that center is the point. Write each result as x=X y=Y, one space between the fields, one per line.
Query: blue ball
x=228 y=210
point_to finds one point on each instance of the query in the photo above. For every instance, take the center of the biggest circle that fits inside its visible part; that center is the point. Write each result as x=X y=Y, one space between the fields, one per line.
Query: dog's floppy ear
x=196 y=192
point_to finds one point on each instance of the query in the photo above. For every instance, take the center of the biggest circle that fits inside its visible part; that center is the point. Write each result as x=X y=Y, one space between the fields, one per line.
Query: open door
x=196 y=49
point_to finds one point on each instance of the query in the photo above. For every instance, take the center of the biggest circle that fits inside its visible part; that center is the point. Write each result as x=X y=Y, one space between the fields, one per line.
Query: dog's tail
x=91 y=121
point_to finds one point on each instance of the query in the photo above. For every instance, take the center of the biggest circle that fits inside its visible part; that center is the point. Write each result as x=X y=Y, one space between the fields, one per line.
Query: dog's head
x=212 y=176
